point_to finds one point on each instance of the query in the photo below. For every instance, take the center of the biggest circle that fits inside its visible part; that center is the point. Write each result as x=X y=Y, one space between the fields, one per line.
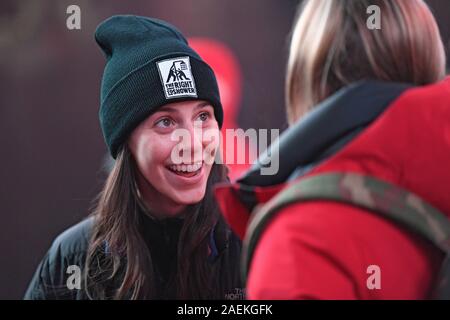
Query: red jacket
x=321 y=250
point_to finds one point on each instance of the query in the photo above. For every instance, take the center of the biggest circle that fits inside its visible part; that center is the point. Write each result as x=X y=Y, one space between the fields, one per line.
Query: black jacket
x=70 y=249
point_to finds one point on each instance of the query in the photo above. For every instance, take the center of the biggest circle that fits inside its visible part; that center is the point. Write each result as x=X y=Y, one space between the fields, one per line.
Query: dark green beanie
x=149 y=64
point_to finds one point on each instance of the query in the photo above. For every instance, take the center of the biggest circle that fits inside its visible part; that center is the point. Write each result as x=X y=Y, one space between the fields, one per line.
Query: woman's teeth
x=186 y=167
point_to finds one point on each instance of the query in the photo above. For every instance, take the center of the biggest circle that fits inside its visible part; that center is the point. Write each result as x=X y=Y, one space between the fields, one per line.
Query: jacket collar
x=319 y=135
x=334 y=121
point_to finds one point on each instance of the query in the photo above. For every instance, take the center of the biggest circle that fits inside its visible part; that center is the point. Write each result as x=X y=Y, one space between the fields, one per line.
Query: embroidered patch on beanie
x=177 y=78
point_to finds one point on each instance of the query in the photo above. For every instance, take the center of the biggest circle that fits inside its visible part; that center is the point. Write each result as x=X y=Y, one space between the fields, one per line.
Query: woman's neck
x=162 y=211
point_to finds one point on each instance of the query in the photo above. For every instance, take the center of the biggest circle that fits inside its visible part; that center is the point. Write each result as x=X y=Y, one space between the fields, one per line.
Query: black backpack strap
x=369 y=193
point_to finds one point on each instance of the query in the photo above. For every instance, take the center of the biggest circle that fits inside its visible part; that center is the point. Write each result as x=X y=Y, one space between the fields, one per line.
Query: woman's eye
x=204 y=116
x=164 y=123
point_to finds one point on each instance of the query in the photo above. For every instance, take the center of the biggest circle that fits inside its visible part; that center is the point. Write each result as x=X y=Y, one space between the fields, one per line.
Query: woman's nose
x=192 y=147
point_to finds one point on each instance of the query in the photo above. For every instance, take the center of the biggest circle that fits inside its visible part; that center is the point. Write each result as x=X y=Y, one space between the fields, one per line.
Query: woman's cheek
x=162 y=149
x=211 y=141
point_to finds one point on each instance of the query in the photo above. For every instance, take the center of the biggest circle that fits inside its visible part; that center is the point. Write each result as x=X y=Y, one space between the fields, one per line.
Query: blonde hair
x=332 y=47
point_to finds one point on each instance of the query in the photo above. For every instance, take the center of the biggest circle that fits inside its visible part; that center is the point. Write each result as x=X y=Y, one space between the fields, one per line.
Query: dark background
x=51 y=147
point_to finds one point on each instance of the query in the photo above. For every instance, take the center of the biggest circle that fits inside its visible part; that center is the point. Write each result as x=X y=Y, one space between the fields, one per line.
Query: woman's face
x=174 y=150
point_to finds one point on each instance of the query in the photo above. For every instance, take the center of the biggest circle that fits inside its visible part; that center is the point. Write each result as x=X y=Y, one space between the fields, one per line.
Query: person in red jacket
x=371 y=102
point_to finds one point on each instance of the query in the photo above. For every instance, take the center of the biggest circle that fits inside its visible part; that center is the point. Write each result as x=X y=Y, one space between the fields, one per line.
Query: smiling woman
x=155 y=231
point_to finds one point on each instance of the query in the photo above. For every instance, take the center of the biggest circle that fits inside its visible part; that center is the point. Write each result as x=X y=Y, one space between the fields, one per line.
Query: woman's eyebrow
x=202 y=105
x=172 y=109
x=167 y=109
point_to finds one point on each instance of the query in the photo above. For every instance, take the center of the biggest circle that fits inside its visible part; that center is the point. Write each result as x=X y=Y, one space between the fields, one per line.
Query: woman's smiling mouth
x=186 y=170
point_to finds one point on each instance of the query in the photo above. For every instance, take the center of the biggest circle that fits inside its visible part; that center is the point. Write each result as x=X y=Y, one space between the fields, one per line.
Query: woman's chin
x=189 y=197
